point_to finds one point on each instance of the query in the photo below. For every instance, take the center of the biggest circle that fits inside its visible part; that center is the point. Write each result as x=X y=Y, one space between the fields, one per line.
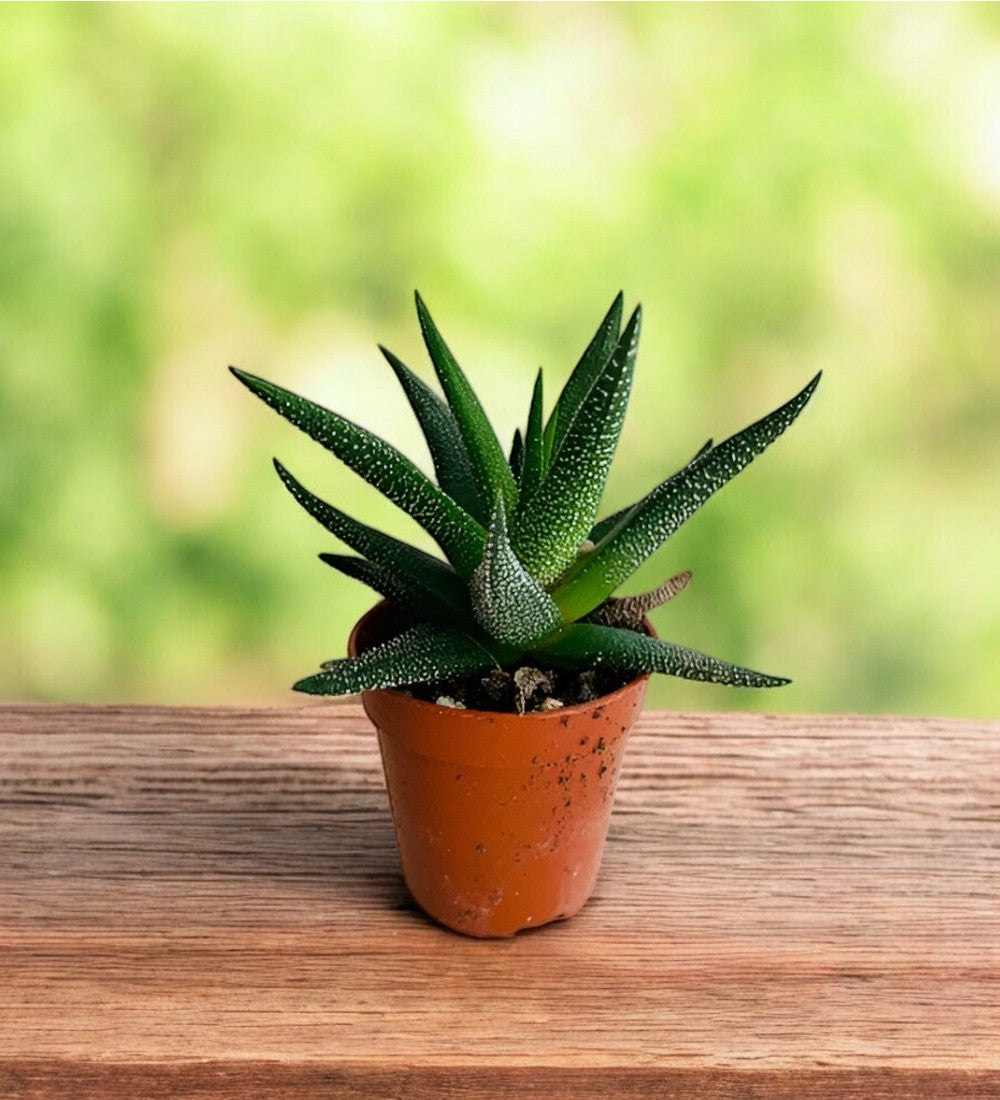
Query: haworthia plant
x=529 y=570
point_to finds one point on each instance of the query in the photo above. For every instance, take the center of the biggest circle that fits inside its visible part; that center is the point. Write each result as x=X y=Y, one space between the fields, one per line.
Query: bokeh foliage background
x=786 y=188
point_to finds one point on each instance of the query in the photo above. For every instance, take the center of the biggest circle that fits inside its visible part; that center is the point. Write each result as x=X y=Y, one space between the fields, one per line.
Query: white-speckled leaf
x=609 y=523
x=428 y=574
x=661 y=512
x=509 y=604
x=585 y=373
x=459 y=535
x=492 y=470
x=449 y=454
x=388 y=583
x=551 y=525
x=585 y=644
x=423 y=654
x=533 y=459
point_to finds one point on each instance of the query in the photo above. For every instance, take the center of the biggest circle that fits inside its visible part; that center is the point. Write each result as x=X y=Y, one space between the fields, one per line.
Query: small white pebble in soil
x=448 y=701
x=549 y=703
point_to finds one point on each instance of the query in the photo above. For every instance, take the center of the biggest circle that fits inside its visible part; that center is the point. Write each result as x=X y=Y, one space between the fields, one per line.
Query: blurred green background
x=785 y=188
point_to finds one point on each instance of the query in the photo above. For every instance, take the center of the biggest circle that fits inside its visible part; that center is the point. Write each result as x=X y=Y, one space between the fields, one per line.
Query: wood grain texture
x=208 y=903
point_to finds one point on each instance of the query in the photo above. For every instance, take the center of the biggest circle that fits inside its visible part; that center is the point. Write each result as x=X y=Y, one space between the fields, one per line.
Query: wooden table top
x=207 y=902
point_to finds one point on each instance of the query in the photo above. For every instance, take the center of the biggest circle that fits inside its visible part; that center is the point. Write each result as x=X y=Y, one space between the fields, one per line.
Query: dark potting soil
x=524 y=689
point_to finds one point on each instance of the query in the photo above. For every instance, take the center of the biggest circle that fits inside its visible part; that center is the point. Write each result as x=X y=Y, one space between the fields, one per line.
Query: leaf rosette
x=529 y=572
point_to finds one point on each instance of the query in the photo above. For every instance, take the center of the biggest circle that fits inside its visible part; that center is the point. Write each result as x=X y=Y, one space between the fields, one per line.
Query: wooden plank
x=207 y=902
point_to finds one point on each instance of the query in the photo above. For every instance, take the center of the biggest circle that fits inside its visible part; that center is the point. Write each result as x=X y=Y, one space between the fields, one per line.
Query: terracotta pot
x=500 y=819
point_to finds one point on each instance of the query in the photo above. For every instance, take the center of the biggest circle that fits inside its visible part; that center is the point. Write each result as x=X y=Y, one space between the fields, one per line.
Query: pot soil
x=500 y=818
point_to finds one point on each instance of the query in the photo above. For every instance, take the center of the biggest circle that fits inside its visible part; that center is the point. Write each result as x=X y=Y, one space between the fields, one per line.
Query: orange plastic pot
x=500 y=819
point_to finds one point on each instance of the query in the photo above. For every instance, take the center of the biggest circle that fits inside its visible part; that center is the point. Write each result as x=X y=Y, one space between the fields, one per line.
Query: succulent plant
x=530 y=572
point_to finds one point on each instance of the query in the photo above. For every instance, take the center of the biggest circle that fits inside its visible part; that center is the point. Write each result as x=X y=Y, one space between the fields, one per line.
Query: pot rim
x=383 y=607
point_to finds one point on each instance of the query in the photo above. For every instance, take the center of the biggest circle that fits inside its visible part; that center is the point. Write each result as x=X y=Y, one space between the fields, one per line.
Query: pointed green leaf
x=609 y=523
x=702 y=450
x=548 y=440
x=516 y=459
x=422 y=654
x=660 y=513
x=439 y=581
x=554 y=522
x=492 y=469
x=585 y=373
x=452 y=464
x=509 y=604
x=534 y=446
x=405 y=594
x=610 y=647
x=459 y=535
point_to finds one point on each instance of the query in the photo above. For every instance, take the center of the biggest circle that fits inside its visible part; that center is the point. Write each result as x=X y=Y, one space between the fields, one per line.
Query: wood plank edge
x=271 y=1080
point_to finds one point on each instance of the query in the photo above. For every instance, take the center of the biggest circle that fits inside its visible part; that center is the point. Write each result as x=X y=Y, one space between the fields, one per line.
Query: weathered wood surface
x=207 y=903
